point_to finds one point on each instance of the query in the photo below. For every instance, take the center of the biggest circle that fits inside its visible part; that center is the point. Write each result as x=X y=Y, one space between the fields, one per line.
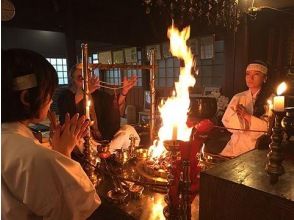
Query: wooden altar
x=240 y=189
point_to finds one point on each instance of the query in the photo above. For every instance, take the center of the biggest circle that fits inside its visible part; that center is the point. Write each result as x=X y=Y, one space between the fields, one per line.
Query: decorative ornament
x=7 y=10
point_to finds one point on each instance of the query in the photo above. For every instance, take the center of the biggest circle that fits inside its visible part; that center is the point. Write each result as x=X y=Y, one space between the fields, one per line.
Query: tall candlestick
x=89 y=154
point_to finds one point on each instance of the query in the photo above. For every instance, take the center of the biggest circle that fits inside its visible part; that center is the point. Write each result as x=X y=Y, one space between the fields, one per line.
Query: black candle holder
x=275 y=157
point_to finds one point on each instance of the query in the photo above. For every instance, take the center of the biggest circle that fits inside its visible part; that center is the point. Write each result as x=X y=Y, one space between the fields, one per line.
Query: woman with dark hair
x=248 y=111
x=39 y=182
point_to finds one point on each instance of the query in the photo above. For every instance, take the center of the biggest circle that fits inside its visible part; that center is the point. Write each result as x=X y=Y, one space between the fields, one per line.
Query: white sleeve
x=59 y=189
x=78 y=198
x=258 y=124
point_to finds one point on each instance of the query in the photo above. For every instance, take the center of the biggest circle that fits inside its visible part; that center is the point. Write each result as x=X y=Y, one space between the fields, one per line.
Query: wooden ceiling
x=109 y=21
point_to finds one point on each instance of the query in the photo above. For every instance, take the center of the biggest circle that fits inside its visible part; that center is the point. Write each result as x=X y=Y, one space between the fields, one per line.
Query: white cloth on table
x=39 y=183
x=242 y=141
x=121 y=138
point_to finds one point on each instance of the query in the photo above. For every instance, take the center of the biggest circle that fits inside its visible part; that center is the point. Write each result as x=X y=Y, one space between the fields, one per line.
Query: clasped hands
x=64 y=138
x=242 y=112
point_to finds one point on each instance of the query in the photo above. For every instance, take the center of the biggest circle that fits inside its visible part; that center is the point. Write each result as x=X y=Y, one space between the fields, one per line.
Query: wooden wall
x=267 y=38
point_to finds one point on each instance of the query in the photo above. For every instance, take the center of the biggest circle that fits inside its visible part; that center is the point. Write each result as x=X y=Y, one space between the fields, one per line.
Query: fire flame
x=174 y=110
x=281 y=88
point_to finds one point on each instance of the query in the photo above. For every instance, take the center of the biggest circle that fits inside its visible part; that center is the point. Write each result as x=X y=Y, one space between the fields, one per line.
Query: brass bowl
x=141 y=153
x=172 y=145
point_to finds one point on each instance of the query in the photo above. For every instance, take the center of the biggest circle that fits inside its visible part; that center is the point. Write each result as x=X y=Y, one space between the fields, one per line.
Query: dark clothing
x=106 y=108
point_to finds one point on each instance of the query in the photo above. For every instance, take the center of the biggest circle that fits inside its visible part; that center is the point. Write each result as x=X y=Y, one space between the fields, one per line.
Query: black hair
x=20 y=62
x=265 y=92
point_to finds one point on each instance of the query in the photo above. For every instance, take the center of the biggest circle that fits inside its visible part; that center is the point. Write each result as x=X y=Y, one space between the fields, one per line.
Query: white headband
x=257 y=67
x=24 y=82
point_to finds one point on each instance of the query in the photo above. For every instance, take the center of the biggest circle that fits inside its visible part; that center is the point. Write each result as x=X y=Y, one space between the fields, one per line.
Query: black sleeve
x=108 y=114
x=66 y=103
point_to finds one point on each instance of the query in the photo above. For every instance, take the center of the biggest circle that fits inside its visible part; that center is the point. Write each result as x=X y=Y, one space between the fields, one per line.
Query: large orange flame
x=174 y=111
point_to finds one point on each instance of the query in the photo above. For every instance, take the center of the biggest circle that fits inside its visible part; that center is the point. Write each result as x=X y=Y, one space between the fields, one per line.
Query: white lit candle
x=175 y=133
x=279 y=103
x=279 y=100
x=88 y=109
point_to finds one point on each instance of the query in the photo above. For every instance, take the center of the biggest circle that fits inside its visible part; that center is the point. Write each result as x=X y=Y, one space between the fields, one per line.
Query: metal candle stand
x=183 y=210
x=88 y=151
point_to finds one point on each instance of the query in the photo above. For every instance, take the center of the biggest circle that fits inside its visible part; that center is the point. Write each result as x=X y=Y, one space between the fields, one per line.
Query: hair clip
x=24 y=82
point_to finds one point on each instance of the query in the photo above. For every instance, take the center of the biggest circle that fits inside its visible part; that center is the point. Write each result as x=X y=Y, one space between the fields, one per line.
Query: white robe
x=242 y=141
x=39 y=183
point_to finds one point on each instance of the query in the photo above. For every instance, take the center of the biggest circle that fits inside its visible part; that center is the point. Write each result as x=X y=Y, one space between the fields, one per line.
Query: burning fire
x=174 y=111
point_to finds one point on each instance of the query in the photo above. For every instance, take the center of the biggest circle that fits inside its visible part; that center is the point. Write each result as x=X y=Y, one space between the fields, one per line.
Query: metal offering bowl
x=172 y=145
x=141 y=153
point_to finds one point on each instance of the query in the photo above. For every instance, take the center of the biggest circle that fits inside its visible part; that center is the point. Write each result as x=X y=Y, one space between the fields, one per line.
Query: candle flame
x=174 y=110
x=281 y=88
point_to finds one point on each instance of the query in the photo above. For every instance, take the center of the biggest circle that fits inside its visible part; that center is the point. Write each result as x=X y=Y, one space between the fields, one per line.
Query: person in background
x=38 y=182
x=105 y=109
x=248 y=110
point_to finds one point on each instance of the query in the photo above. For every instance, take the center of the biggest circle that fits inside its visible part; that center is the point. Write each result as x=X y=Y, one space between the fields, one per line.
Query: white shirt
x=242 y=141
x=39 y=183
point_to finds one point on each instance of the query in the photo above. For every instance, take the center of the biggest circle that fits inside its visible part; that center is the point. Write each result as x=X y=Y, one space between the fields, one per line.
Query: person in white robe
x=38 y=182
x=241 y=113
